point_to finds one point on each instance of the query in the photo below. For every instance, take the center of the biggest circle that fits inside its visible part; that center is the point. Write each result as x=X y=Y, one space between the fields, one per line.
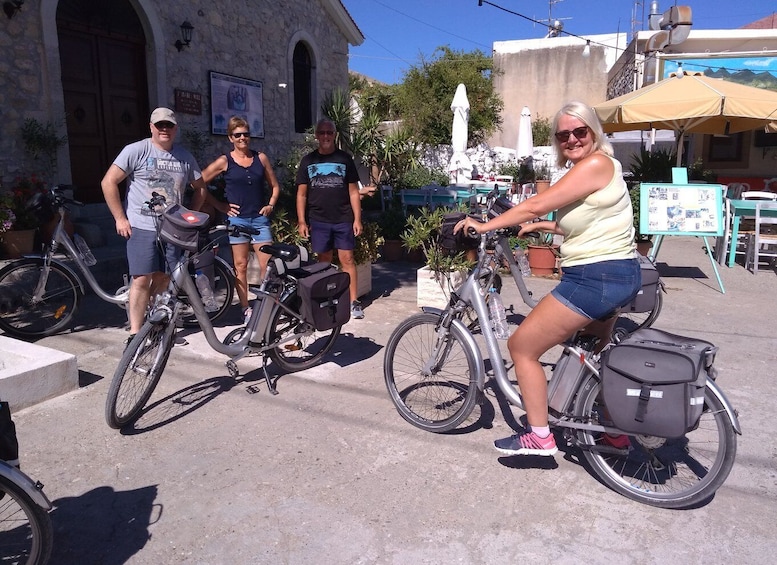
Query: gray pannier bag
x=324 y=293
x=653 y=382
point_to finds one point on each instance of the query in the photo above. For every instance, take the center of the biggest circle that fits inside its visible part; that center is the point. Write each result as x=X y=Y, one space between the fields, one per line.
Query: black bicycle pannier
x=653 y=382
x=499 y=207
x=324 y=294
x=645 y=301
x=183 y=227
x=454 y=242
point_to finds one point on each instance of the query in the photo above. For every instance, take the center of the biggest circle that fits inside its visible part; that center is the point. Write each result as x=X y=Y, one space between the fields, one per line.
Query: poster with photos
x=681 y=209
x=235 y=96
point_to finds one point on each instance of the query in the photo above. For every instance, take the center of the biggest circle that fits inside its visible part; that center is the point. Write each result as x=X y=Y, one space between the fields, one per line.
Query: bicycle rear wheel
x=19 y=316
x=664 y=472
x=430 y=375
x=25 y=528
x=223 y=292
x=300 y=345
x=633 y=321
x=138 y=373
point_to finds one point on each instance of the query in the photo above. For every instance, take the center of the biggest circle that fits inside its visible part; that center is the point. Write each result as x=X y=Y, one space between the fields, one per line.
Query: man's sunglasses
x=579 y=133
x=164 y=125
x=239 y=134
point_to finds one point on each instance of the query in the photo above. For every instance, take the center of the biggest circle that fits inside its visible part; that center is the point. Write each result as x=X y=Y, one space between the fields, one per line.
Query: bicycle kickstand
x=267 y=377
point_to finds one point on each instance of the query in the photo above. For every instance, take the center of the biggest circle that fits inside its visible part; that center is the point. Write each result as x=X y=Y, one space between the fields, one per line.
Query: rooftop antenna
x=554 y=25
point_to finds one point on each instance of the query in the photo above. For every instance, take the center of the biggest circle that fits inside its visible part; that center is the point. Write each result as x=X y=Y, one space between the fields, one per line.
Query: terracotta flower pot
x=542 y=260
x=18 y=243
x=392 y=250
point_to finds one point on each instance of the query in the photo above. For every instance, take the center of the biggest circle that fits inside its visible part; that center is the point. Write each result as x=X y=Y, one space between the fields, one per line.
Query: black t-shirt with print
x=328 y=177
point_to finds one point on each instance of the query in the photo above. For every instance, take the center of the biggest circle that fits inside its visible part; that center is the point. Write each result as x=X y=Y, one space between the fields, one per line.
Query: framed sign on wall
x=681 y=209
x=235 y=96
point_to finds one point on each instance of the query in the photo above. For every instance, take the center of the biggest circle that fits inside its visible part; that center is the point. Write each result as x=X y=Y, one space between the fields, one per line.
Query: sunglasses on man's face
x=579 y=133
x=239 y=134
x=325 y=132
x=164 y=125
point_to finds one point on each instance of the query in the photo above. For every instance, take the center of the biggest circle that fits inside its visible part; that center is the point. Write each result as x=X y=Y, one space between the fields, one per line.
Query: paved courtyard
x=219 y=471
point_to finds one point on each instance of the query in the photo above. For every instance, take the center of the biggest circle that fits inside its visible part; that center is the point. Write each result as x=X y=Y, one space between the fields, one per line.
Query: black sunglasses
x=579 y=133
x=239 y=134
x=325 y=132
x=164 y=125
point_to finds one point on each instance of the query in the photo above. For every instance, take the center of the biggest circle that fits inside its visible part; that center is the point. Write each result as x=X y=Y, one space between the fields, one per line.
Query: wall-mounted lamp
x=10 y=8
x=281 y=85
x=587 y=48
x=186 y=35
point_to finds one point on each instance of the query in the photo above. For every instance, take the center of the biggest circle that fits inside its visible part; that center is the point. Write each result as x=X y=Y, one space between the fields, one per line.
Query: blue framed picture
x=681 y=209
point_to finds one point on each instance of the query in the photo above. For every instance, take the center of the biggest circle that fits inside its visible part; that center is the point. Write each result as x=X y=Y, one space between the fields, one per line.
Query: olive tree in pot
x=444 y=269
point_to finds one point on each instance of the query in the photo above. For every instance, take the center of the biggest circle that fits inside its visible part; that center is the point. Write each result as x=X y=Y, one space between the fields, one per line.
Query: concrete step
x=30 y=374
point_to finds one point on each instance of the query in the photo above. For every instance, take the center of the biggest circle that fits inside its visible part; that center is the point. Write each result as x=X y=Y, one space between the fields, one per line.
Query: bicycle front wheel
x=430 y=375
x=223 y=292
x=665 y=472
x=23 y=317
x=25 y=528
x=300 y=346
x=138 y=373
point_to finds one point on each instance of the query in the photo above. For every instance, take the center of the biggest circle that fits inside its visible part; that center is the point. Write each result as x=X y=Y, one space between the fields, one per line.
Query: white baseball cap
x=163 y=115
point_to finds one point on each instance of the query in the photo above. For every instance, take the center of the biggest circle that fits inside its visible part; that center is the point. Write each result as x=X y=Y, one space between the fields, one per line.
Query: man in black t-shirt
x=328 y=205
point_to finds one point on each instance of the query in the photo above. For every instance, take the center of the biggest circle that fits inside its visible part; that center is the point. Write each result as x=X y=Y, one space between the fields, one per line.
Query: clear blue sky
x=397 y=32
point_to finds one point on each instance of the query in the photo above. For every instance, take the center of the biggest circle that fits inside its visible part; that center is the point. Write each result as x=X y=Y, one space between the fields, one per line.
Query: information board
x=681 y=209
x=235 y=96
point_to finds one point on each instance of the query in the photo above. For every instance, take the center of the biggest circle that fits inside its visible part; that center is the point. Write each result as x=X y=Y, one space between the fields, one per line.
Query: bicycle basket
x=182 y=227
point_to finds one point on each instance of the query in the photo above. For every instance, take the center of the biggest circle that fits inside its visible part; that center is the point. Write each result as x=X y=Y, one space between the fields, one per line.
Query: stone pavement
x=328 y=472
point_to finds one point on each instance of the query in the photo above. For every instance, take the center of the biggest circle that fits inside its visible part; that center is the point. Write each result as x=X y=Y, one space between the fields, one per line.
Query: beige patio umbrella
x=691 y=103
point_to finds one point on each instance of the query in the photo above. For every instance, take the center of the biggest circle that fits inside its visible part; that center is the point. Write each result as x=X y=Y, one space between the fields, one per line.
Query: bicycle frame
x=470 y=293
x=60 y=237
x=266 y=307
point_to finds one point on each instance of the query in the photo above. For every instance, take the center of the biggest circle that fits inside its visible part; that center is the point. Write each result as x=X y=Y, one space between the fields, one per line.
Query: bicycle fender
x=470 y=342
x=730 y=411
x=32 y=488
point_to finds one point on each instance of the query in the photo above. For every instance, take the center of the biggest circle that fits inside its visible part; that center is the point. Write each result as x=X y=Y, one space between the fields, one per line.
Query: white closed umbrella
x=460 y=168
x=525 y=145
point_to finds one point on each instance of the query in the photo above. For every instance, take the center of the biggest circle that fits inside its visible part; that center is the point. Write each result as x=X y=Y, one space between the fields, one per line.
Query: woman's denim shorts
x=597 y=289
x=259 y=223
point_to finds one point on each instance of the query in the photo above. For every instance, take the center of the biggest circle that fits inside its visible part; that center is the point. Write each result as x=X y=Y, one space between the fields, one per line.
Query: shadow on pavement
x=103 y=525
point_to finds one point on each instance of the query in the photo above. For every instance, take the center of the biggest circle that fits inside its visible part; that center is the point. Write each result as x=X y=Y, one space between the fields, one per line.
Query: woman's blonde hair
x=585 y=114
x=236 y=122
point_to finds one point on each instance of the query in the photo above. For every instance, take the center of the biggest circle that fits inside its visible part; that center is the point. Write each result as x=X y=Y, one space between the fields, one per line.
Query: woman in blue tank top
x=245 y=172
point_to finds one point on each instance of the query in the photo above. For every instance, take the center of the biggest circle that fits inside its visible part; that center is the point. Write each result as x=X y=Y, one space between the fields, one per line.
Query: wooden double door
x=106 y=102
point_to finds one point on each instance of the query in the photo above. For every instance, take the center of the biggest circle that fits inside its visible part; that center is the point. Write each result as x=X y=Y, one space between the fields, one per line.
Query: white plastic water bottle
x=83 y=249
x=523 y=261
x=206 y=292
x=496 y=309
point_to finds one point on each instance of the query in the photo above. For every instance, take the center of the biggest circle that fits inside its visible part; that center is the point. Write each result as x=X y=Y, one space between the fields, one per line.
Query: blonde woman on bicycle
x=600 y=269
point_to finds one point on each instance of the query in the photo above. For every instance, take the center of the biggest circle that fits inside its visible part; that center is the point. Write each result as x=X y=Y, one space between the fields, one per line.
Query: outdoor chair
x=738 y=191
x=762 y=242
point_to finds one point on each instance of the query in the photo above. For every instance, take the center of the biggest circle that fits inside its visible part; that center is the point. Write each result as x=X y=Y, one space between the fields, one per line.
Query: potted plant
x=365 y=254
x=648 y=166
x=443 y=269
x=543 y=254
x=18 y=224
x=392 y=223
x=541 y=177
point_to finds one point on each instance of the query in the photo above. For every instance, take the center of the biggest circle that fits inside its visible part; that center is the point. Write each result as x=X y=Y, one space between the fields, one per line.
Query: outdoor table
x=738 y=209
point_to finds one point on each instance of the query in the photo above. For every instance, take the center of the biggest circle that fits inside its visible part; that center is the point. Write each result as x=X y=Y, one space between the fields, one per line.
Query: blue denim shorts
x=145 y=256
x=259 y=223
x=597 y=289
x=325 y=237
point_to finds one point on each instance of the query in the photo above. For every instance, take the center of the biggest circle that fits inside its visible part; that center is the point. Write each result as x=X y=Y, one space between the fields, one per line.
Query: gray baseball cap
x=163 y=115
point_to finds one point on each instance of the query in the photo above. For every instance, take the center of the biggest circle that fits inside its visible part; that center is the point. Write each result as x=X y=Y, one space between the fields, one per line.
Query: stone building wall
x=248 y=38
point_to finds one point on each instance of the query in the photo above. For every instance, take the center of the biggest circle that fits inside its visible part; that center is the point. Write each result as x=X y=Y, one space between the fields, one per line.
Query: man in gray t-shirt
x=151 y=165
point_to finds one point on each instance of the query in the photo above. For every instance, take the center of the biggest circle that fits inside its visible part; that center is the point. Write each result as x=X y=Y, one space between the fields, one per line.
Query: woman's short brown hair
x=236 y=122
